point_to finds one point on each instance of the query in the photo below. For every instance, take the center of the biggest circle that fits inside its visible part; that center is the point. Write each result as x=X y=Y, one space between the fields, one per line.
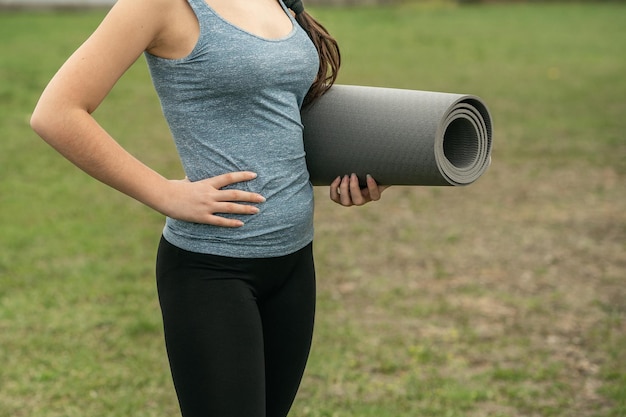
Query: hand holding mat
x=400 y=137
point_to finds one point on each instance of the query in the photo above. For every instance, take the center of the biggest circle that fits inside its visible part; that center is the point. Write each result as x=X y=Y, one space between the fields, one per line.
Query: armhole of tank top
x=196 y=8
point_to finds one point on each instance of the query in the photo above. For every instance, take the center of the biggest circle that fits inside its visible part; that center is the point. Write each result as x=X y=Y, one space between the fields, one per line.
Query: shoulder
x=145 y=19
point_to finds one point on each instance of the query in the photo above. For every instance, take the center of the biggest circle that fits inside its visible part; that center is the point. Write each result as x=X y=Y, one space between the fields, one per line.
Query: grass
x=504 y=298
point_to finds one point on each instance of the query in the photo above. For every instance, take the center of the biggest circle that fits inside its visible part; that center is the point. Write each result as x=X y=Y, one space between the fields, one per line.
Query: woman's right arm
x=63 y=119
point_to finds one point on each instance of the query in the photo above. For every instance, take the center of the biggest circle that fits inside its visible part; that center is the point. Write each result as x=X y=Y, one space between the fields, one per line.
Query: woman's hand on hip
x=347 y=191
x=202 y=201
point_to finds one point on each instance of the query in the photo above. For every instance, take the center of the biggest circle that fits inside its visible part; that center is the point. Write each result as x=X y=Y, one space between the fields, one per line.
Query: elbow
x=49 y=122
x=40 y=121
x=36 y=123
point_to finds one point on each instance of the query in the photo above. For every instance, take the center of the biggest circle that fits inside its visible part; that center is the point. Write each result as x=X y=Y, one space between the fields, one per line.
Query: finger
x=239 y=195
x=344 y=191
x=355 y=191
x=234 y=208
x=373 y=188
x=229 y=208
x=334 y=190
x=223 y=221
x=221 y=181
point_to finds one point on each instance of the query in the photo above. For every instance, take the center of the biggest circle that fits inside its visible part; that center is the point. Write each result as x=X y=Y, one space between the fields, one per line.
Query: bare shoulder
x=143 y=16
x=134 y=26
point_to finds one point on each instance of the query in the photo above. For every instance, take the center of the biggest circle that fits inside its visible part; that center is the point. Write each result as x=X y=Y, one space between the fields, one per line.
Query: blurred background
x=503 y=298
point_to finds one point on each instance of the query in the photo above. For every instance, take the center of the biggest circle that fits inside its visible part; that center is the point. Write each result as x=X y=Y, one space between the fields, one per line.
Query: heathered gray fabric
x=234 y=104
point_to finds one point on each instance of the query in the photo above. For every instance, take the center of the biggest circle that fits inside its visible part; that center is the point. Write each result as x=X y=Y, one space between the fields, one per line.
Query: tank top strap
x=288 y=12
x=199 y=7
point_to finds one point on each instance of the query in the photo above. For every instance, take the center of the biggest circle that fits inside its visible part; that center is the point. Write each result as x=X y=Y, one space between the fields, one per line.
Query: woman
x=234 y=268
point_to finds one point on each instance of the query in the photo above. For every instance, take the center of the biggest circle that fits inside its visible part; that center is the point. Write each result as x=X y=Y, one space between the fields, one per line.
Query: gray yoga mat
x=400 y=137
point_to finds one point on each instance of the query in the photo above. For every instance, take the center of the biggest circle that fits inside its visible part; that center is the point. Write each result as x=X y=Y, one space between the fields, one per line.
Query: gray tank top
x=233 y=104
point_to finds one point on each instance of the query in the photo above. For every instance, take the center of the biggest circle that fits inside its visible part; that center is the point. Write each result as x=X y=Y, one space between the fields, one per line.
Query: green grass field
x=504 y=298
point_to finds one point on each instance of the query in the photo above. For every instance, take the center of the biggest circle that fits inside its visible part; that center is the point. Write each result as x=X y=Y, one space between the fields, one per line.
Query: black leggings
x=237 y=331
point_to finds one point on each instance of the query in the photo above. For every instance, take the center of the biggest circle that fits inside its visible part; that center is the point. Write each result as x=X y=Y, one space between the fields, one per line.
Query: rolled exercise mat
x=400 y=137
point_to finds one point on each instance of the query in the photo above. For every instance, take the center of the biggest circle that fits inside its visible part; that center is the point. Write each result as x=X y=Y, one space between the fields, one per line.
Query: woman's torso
x=233 y=104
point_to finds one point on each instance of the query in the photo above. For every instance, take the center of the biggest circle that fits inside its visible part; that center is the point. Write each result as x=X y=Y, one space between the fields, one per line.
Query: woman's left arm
x=347 y=191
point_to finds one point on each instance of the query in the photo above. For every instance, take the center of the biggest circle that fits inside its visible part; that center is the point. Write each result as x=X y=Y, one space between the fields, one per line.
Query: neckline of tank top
x=254 y=35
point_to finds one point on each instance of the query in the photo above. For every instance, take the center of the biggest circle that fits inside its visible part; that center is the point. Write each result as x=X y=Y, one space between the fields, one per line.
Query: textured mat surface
x=400 y=137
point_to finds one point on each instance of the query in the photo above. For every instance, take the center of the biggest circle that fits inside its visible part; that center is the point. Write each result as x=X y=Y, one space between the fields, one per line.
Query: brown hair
x=328 y=50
